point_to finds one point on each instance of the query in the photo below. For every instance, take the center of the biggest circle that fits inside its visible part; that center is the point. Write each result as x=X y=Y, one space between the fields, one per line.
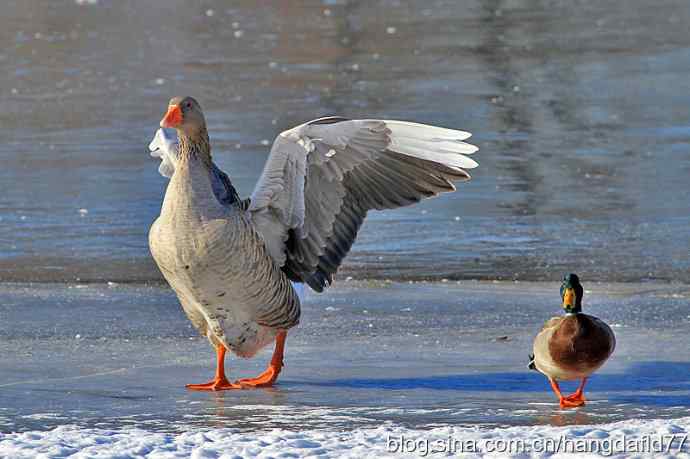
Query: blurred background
x=580 y=109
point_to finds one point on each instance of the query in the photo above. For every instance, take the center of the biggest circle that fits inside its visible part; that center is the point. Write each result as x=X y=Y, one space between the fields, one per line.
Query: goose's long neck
x=190 y=190
x=195 y=148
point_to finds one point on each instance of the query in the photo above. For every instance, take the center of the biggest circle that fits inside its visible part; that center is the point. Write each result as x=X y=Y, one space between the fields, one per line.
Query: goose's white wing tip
x=425 y=131
x=441 y=145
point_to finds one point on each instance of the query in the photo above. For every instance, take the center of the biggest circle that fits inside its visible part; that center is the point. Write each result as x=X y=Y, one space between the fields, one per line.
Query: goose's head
x=571 y=294
x=185 y=115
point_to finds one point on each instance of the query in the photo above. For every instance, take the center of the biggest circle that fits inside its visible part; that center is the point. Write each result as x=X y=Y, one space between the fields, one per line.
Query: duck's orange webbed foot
x=578 y=397
x=567 y=402
x=571 y=401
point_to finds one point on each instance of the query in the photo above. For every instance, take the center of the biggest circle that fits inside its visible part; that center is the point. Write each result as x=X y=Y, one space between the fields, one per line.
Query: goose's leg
x=564 y=402
x=268 y=377
x=579 y=394
x=219 y=382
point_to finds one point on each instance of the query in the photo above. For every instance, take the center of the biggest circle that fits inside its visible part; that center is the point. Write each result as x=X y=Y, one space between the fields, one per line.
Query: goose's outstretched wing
x=322 y=177
x=164 y=146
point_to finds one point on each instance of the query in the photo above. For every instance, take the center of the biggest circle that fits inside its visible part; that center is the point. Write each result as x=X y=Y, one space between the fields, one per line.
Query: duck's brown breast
x=581 y=342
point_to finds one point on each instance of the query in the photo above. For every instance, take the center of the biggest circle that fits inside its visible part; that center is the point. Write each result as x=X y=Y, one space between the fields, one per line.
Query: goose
x=238 y=265
x=572 y=346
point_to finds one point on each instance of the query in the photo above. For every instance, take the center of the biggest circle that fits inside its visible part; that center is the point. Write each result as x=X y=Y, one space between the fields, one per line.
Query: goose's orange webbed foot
x=268 y=377
x=215 y=384
x=265 y=379
x=220 y=382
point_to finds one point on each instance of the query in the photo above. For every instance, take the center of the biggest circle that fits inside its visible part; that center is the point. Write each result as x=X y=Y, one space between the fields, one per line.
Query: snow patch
x=359 y=443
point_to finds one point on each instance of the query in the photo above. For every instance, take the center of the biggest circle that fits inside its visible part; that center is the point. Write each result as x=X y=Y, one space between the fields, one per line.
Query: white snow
x=644 y=438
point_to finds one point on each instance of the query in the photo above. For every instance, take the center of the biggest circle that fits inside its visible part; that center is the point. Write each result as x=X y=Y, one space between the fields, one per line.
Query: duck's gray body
x=231 y=262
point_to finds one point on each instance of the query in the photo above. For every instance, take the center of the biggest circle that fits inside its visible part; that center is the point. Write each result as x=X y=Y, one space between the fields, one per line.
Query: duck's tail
x=532 y=365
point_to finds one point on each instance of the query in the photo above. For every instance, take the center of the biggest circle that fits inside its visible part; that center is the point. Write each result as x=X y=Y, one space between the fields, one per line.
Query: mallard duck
x=235 y=263
x=572 y=346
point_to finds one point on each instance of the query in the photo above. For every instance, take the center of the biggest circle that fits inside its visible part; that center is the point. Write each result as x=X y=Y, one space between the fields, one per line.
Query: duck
x=572 y=346
x=239 y=266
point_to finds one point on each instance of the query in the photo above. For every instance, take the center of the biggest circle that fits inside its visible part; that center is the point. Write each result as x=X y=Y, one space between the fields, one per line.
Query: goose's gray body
x=231 y=262
x=216 y=262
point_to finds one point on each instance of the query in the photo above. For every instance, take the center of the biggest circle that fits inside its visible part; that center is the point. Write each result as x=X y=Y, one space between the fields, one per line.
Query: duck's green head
x=571 y=293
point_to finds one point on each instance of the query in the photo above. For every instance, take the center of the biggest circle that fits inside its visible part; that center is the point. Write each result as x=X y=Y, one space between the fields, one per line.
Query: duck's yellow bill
x=568 y=298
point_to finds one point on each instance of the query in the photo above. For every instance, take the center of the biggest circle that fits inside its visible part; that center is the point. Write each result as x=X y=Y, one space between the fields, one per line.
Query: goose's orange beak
x=173 y=117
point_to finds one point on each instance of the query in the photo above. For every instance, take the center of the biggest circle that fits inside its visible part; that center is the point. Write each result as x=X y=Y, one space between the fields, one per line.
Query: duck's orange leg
x=564 y=402
x=219 y=382
x=579 y=394
x=268 y=377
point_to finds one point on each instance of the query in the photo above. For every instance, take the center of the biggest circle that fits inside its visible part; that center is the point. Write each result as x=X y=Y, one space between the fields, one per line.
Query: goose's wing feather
x=322 y=177
x=164 y=146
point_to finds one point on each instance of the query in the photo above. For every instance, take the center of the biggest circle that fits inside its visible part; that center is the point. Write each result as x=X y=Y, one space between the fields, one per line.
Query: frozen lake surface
x=366 y=354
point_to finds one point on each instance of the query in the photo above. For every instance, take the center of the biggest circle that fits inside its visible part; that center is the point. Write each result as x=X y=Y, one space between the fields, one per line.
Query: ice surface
x=365 y=355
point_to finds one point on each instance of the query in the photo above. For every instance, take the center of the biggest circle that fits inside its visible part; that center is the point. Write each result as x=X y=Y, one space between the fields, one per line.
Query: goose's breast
x=224 y=271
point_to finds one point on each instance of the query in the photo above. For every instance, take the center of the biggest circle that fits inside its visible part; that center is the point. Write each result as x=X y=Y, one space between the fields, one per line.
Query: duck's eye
x=188 y=105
